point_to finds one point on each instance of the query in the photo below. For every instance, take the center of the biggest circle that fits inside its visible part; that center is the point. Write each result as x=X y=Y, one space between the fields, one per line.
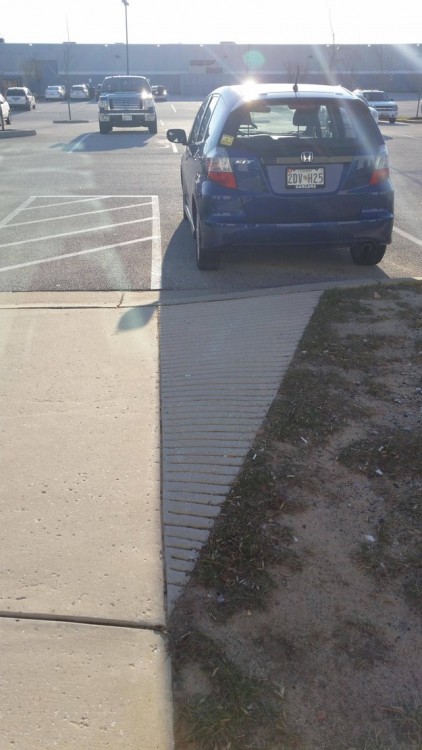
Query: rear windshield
x=15 y=92
x=111 y=85
x=332 y=121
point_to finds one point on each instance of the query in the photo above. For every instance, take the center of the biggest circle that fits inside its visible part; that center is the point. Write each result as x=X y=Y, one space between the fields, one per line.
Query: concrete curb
x=16 y=133
x=62 y=300
x=69 y=122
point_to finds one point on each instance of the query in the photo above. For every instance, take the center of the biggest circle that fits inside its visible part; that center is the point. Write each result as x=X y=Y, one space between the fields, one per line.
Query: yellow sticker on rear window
x=226 y=140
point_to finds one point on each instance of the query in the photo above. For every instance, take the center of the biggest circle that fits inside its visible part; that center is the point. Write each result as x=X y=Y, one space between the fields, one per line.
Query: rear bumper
x=337 y=234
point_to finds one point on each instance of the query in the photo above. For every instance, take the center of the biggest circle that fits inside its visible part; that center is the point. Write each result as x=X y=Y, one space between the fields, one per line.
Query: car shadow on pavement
x=115 y=141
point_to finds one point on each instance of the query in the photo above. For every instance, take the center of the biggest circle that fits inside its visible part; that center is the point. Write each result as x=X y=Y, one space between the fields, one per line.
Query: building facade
x=194 y=70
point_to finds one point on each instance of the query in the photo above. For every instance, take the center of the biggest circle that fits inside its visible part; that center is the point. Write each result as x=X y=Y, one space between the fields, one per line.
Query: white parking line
x=76 y=199
x=73 y=255
x=70 y=200
x=77 y=231
x=78 y=144
x=408 y=236
x=14 y=213
x=82 y=213
x=156 y=262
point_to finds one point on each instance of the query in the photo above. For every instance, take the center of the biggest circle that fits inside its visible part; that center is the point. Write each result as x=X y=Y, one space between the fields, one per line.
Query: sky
x=196 y=21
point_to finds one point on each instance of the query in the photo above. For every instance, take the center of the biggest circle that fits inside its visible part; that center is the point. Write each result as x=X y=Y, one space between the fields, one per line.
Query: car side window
x=193 y=137
x=203 y=128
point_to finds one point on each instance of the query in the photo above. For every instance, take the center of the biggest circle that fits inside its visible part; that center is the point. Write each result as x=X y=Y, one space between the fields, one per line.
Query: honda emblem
x=306 y=156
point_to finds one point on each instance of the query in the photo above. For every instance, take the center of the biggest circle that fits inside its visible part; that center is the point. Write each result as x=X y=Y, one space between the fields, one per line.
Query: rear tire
x=367 y=254
x=153 y=128
x=207 y=260
x=1 y=121
x=105 y=127
x=392 y=120
x=9 y=119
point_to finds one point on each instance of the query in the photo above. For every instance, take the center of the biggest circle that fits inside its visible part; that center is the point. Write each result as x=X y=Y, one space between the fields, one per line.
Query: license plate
x=126 y=117
x=305 y=178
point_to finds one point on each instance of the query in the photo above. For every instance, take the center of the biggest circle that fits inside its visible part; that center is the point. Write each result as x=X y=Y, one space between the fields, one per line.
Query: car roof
x=243 y=92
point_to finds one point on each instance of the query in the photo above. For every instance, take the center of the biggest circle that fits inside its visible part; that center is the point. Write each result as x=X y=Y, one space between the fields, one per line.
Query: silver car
x=55 y=93
x=79 y=91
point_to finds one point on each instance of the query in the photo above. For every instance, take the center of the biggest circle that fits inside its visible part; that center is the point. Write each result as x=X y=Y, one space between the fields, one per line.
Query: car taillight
x=220 y=170
x=381 y=167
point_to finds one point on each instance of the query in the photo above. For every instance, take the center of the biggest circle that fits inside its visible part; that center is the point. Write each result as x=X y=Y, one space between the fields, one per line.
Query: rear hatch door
x=309 y=163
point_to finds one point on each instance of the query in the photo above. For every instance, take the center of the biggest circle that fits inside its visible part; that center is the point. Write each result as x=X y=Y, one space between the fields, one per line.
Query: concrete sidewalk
x=82 y=626
x=84 y=590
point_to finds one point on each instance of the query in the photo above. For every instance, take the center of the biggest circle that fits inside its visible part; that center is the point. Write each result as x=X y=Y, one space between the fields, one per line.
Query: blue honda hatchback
x=285 y=164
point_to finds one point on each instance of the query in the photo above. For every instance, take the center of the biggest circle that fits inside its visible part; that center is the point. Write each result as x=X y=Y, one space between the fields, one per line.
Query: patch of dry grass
x=338 y=385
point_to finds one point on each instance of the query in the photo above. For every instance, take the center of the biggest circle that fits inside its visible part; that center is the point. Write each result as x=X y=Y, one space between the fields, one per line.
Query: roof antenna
x=295 y=86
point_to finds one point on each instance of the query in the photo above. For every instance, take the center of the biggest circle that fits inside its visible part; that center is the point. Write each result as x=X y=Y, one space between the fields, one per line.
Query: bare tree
x=333 y=48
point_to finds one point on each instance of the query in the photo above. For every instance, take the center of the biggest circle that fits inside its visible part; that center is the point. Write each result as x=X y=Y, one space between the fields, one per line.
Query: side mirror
x=177 y=135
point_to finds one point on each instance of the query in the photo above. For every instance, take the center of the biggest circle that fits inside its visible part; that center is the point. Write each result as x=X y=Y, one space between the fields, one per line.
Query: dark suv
x=286 y=164
x=126 y=102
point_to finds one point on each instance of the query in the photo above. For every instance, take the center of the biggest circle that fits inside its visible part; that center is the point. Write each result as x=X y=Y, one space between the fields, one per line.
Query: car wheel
x=367 y=254
x=9 y=119
x=207 y=260
x=1 y=120
x=392 y=120
x=105 y=127
x=153 y=128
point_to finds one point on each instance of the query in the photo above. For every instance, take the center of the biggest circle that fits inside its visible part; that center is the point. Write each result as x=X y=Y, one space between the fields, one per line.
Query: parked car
x=55 y=92
x=386 y=106
x=373 y=111
x=5 y=116
x=159 y=93
x=285 y=164
x=20 y=97
x=79 y=91
x=126 y=102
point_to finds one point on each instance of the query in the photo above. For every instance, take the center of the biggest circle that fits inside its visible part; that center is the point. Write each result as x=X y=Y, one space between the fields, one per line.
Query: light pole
x=125 y=3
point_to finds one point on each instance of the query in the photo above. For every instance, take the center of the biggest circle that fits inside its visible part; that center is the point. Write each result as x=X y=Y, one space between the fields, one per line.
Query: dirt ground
x=301 y=627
